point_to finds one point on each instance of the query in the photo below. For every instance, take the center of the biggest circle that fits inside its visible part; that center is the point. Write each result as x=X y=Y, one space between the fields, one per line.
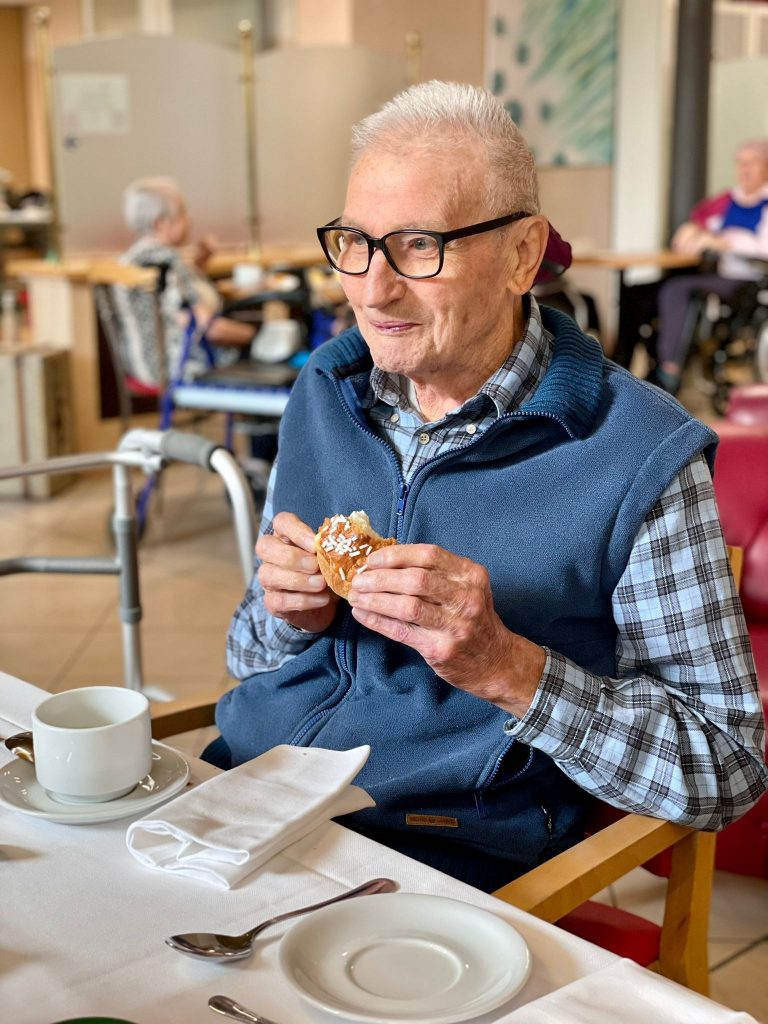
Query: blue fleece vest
x=549 y=499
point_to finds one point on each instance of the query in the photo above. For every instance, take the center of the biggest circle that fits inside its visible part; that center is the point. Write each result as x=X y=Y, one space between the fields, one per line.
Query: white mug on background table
x=247 y=276
x=92 y=744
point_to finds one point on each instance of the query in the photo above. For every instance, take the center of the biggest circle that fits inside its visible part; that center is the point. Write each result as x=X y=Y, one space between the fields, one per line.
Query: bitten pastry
x=343 y=544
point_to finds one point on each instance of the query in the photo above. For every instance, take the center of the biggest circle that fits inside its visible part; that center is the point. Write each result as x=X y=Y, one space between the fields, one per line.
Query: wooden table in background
x=662 y=259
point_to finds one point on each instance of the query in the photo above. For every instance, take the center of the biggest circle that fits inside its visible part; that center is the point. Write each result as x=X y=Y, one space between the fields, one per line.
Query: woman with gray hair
x=733 y=224
x=154 y=209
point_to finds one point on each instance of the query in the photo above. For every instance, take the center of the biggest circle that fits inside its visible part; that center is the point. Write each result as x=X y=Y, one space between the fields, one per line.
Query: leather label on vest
x=436 y=820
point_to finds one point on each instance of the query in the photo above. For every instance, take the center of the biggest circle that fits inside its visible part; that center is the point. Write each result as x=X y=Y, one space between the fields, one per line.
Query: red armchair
x=741 y=487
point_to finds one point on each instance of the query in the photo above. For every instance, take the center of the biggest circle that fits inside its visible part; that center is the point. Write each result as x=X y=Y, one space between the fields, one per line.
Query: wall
x=452 y=31
x=13 y=104
x=326 y=24
x=65 y=27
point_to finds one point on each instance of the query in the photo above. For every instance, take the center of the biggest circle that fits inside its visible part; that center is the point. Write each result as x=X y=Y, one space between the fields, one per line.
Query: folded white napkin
x=230 y=825
x=628 y=993
x=18 y=700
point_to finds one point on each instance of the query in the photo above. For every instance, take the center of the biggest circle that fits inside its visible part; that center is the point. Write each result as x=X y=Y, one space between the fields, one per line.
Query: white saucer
x=20 y=791
x=404 y=958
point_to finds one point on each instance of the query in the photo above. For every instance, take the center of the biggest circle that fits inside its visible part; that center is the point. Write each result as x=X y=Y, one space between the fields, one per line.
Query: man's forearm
x=645 y=746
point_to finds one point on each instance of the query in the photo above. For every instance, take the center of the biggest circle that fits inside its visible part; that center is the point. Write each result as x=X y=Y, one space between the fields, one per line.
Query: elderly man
x=557 y=617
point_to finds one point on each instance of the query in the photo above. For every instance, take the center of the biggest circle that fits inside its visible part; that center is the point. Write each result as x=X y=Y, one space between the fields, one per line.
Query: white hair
x=147 y=200
x=759 y=146
x=433 y=114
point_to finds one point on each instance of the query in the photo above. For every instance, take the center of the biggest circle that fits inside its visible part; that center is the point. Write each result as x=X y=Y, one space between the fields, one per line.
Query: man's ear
x=530 y=243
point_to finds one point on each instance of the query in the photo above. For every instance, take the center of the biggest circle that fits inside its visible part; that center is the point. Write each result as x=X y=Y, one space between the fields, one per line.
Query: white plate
x=20 y=791
x=404 y=958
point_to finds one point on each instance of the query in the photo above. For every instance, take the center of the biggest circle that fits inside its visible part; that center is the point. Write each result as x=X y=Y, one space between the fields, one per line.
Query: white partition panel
x=307 y=100
x=137 y=105
x=183 y=118
x=738 y=110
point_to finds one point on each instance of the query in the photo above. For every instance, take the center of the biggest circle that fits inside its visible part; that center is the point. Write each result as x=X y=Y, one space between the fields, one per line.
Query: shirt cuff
x=562 y=709
x=287 y=637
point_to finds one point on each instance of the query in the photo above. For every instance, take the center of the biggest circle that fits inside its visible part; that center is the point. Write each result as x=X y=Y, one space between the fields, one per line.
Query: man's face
x=426 y=329
x=751 y=170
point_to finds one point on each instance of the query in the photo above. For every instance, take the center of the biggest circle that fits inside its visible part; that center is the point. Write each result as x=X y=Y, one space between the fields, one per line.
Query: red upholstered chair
x=741 y=486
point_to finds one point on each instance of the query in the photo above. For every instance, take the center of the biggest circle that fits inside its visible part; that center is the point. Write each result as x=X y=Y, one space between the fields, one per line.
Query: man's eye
x=422 y=244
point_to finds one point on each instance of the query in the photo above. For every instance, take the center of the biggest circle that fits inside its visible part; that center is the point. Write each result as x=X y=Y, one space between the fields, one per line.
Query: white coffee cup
x=92 y=744
x=247 y=276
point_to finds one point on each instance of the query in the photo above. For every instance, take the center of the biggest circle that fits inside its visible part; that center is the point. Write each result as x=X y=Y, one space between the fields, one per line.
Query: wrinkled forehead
x=445 y=179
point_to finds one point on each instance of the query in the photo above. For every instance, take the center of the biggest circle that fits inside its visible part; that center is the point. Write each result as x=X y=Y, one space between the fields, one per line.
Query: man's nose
x=382 y=283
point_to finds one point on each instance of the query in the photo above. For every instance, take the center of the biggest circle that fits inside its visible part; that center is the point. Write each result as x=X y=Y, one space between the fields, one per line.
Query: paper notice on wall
x=94 y=104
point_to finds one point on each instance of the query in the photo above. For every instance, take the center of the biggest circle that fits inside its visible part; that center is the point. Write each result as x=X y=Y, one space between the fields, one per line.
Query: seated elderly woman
x=155 y=210
x=734 y=225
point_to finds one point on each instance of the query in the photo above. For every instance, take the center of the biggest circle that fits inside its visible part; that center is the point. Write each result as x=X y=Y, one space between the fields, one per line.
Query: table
x=33 y=225
x=662 y=259
x=83 y=923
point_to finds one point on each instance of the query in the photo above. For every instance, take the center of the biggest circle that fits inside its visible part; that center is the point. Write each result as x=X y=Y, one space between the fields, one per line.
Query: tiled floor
x=63 y=631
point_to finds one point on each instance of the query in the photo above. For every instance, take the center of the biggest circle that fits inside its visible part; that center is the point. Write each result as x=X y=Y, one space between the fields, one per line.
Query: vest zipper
x=401 y=499
x=295 y=741
x=404 y=488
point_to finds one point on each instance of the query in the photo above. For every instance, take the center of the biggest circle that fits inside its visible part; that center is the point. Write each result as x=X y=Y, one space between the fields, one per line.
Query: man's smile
x=392 y=326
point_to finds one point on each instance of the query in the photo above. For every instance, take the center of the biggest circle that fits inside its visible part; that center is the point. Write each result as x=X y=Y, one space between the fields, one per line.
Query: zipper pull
x=401 y=498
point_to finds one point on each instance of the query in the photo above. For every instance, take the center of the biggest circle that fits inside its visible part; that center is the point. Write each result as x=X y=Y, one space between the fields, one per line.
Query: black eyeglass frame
x=441 y=237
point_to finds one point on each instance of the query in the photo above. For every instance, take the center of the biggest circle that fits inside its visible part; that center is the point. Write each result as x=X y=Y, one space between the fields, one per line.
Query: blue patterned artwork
x=552 y=63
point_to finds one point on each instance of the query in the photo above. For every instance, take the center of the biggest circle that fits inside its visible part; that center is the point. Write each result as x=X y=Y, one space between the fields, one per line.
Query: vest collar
x=569 y=393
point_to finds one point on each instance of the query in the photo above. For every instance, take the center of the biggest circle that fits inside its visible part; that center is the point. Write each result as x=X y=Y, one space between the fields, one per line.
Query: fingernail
x=309 y=563
x=317 y=582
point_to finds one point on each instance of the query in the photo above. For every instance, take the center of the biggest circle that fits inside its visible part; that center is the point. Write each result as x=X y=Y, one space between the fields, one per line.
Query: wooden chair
x=559 y=890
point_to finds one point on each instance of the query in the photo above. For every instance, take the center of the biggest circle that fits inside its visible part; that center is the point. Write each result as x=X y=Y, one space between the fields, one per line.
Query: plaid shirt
x=678 y=734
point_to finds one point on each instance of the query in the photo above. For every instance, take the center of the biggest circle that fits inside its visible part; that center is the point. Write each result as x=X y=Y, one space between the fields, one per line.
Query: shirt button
x=394 y=418
x=423 y=438
x=472 y=428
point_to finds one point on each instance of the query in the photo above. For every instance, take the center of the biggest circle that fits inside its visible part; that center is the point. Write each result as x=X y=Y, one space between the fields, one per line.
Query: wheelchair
x=732 y=338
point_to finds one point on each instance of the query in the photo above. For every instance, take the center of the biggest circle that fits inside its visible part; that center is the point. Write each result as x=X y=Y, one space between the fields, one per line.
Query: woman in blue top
x=733 y=224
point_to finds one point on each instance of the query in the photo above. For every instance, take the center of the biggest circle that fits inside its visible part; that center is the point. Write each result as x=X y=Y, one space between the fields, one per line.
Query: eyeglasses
x=411 y=252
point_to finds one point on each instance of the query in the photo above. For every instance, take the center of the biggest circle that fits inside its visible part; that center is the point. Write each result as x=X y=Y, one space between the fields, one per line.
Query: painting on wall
x=553 y=64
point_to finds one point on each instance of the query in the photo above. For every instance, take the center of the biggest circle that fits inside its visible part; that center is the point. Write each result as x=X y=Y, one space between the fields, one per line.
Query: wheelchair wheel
x=761 y=352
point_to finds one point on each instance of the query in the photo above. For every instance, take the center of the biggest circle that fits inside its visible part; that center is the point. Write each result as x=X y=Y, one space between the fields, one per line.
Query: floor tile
x=739 y=908
x=185 y=661
x=741 y=983
x=56 y=600
x=188 y=601
x=40 y=655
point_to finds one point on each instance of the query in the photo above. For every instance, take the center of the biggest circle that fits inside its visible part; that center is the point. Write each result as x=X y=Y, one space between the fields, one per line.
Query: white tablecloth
x=82 y=923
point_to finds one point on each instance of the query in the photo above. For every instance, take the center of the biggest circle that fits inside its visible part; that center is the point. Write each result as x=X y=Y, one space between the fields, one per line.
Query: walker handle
x=182 y=447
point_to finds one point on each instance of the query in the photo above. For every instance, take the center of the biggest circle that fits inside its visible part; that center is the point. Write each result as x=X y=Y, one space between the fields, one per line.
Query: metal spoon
x=237 y=947
x=229 y=1008
x=21 y=746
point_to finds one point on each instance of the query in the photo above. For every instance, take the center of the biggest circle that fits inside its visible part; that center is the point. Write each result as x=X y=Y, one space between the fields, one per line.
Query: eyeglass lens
x=413 y=253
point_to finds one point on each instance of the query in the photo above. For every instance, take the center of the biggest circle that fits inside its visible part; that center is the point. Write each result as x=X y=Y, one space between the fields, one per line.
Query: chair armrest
x=558 y=886
x=182 y=716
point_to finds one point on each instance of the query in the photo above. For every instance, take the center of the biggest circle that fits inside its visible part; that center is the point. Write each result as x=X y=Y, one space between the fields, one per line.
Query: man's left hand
x=441 y=605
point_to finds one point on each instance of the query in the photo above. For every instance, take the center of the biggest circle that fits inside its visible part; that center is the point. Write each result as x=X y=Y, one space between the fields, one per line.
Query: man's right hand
x=294 y=588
